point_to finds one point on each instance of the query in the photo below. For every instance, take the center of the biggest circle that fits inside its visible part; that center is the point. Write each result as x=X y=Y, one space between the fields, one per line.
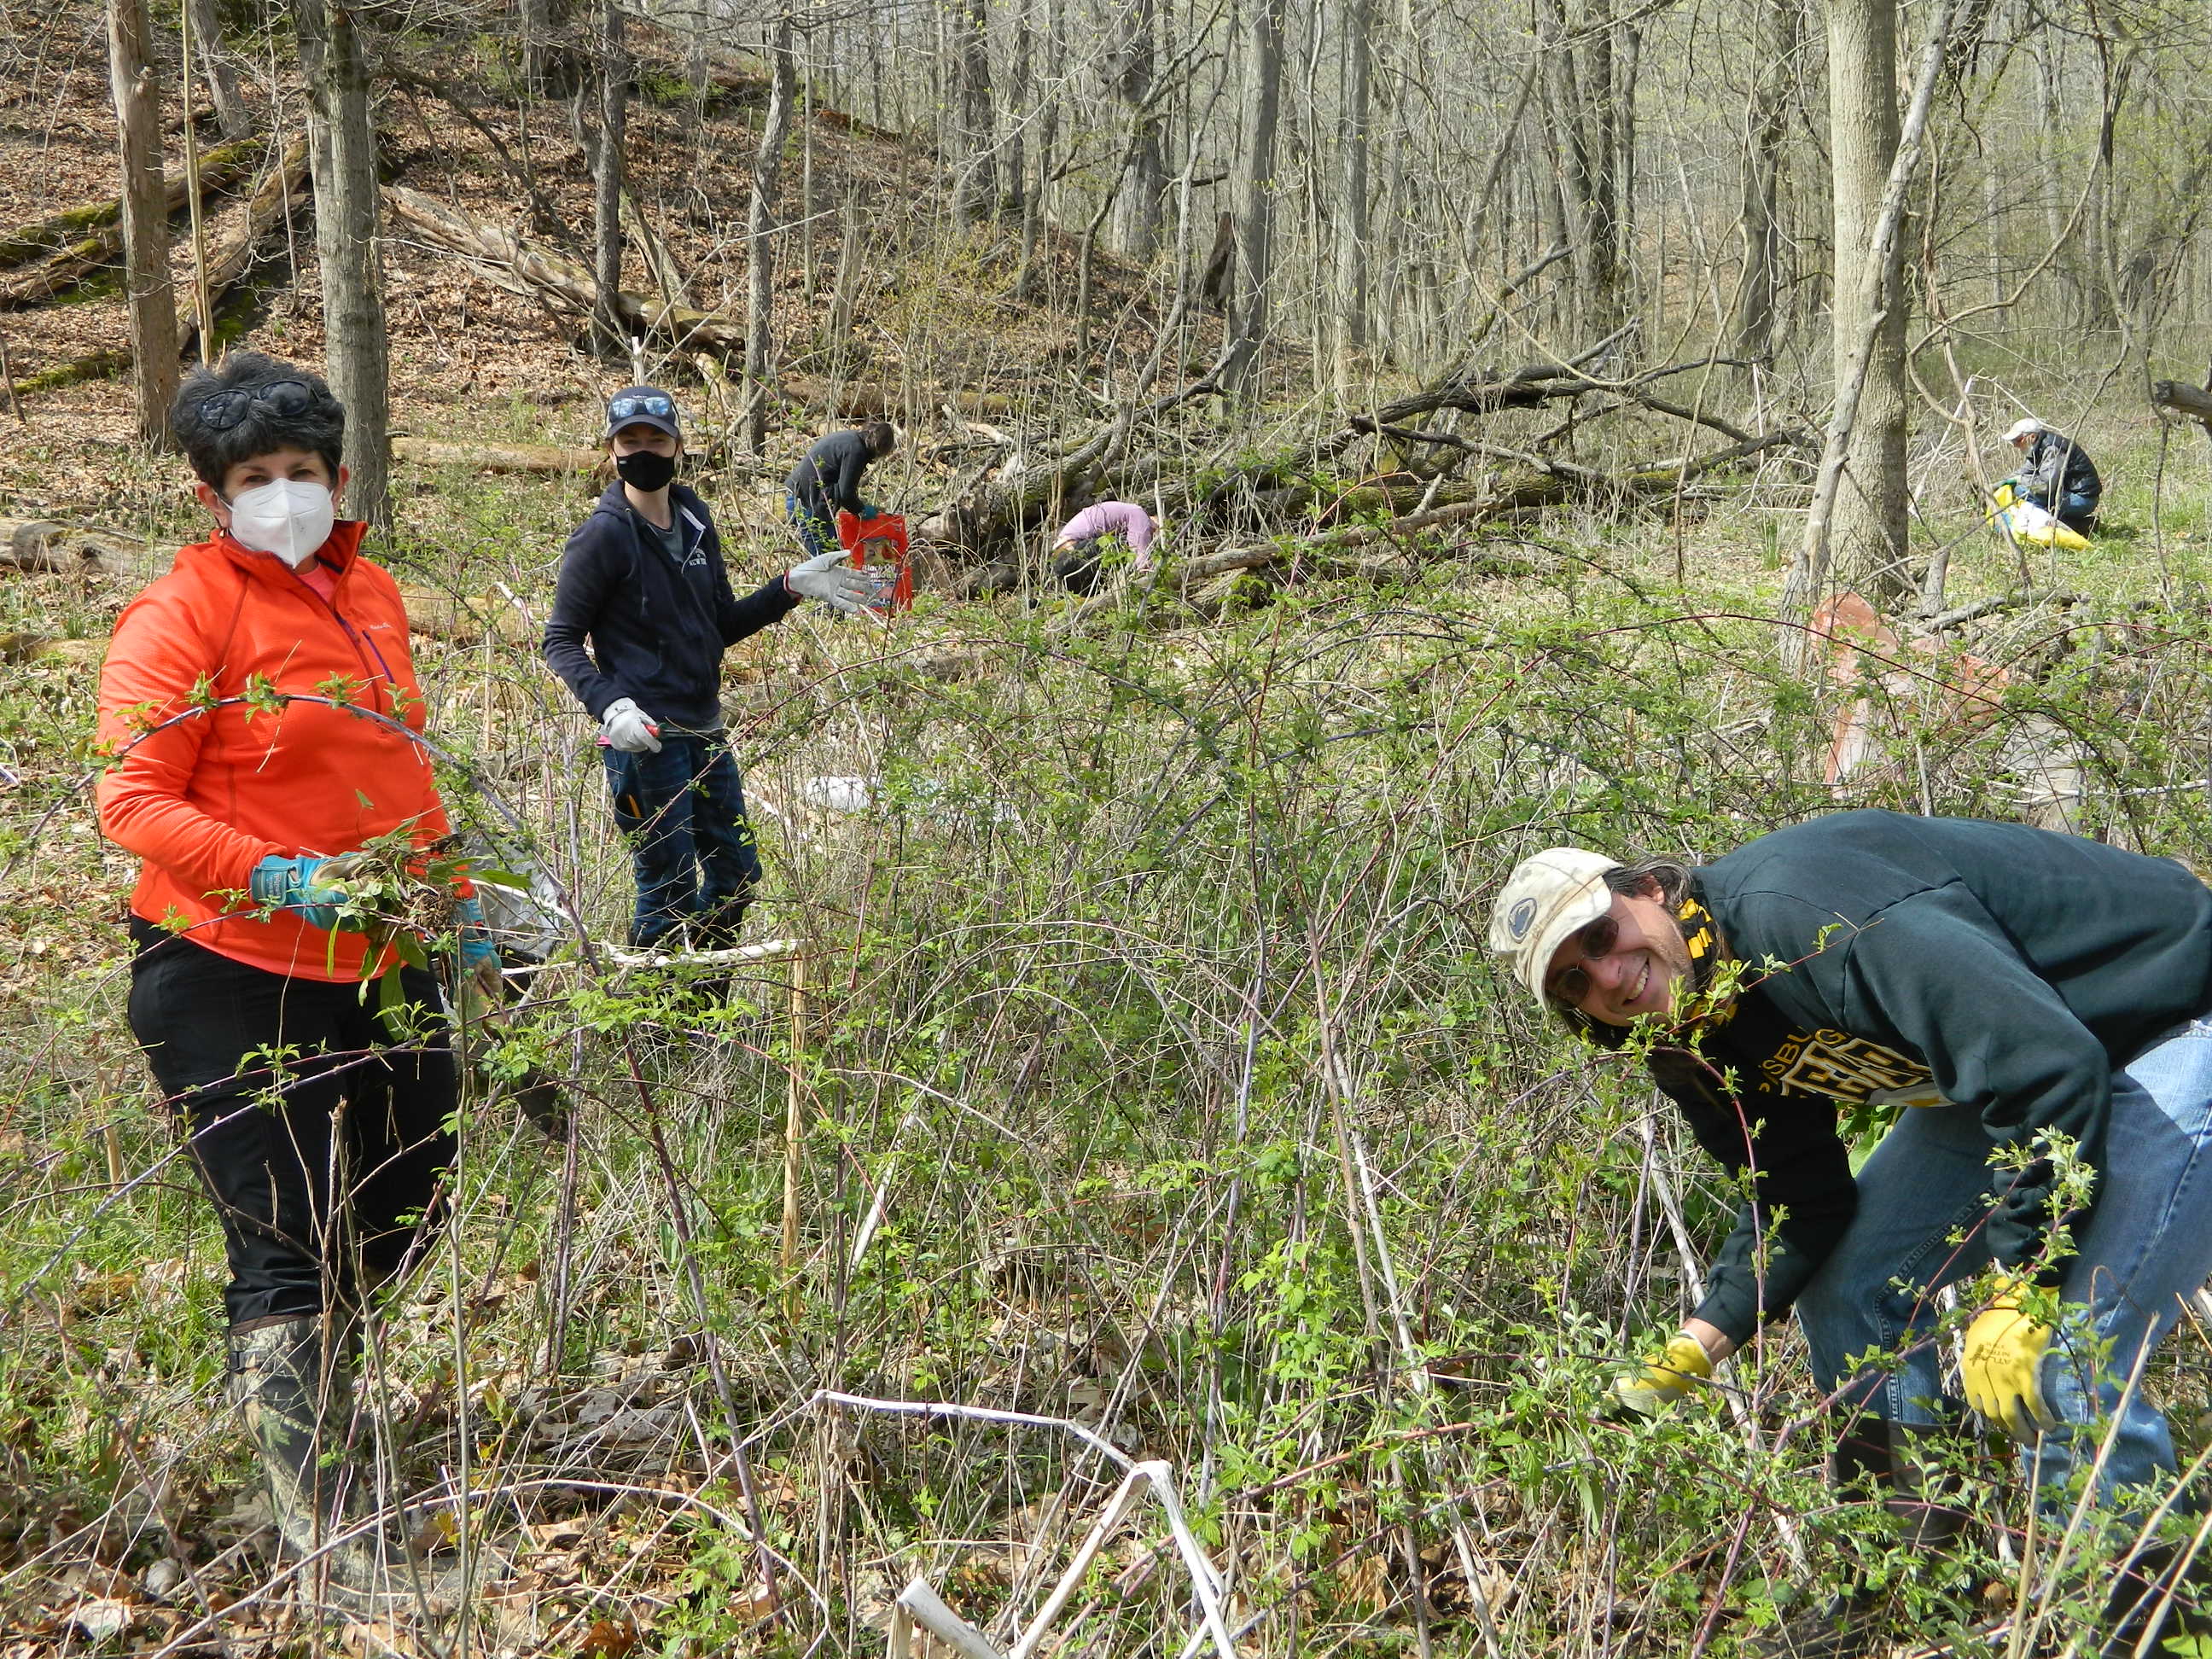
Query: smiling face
x=302 y=466
x=1624 y=965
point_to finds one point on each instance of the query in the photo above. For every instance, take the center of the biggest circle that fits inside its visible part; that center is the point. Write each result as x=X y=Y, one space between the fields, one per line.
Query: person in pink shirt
x=1091 y=541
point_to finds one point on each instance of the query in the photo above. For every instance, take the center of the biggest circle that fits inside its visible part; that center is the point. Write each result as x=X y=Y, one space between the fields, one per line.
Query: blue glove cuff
x=476 y=949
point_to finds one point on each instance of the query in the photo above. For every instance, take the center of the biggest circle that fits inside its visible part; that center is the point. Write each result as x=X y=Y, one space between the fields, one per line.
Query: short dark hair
x=880 y=436
x=213 y=448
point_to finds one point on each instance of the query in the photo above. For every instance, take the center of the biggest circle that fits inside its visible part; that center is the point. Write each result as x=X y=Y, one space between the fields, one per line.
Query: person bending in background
x=642 y=614
x=2056 y=475
x=1099 y=537
x=827 y=481
x=2008 y=988
x=239 y=784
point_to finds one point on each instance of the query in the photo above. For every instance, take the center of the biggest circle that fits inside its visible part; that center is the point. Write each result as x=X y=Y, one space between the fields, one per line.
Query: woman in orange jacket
x=257 y=713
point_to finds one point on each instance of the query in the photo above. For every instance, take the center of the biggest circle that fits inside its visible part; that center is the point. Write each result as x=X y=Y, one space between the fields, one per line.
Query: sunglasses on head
x=1596 y=939
x=227 y=409
x=621 y=409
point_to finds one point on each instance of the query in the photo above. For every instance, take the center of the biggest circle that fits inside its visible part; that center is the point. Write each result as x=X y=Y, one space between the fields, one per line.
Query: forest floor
x=1148 y=1070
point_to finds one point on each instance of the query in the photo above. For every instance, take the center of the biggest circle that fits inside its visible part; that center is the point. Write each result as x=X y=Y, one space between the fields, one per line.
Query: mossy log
x=549 y=458
x=81 y=241
x=45 y=547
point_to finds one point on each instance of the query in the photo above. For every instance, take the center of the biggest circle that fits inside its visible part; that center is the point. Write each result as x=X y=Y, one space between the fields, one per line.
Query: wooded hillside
x=1120 y=1191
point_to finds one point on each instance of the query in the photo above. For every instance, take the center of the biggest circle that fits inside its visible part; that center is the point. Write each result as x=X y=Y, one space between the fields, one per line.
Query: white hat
x=1548 y=896
x=2026 y=428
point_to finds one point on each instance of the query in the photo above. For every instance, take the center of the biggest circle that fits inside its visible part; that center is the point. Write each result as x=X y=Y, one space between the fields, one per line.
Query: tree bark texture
x=342 y=155
x=1146 y=183
x=760 y=236
x=1352 y=231
x=1776 y=72
x=230 y=111
x=1255 y=221
x=145 y=216
x=1867 y=530
x=607 y=177
x=975 y=172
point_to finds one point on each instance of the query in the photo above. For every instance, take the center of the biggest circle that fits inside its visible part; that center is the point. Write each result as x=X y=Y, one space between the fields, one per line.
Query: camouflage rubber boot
x=297 y=1412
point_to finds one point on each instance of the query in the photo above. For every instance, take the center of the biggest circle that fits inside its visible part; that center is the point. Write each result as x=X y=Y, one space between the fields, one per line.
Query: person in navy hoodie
x=641 y=617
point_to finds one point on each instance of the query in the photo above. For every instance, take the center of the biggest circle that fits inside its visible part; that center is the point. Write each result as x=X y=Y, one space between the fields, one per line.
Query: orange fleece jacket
x=205 y=798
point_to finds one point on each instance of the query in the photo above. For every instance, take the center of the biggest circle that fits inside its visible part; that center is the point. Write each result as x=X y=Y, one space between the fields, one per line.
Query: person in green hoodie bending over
x=2014 y=991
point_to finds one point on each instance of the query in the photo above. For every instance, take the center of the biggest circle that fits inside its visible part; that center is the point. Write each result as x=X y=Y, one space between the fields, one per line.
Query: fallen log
x=43 y=547
x=867 y=398
x=509 y=260
x=94 y=230
x=281 y=187
x=2190 y=402
x=496 y=458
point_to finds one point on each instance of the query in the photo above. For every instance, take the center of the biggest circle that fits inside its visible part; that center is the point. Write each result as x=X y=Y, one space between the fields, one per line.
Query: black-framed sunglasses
x=227 y=409
x=1597 y=938
x=622 y=409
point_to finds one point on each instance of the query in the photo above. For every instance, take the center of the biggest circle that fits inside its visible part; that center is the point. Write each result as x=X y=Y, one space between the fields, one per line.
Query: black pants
x=321 y=1138
x=1083 y=561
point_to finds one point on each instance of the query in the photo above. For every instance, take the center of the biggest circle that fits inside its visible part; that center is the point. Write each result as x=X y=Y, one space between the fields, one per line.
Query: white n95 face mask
x=289 y=517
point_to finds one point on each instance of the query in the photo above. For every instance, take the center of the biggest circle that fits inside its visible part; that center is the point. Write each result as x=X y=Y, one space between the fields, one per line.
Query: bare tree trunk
x=1776 y=58
x=145 y=216
x=1255 y=226
x=230 y=111
x=1018 y=96
x=607 y=178
x=537 y=21
x=342 y=151
x=975 y=178
x=1870 y=523
x=760 y=233
x=1875 y=298
x=1351 y=229
x=1146 y=183
x=1579 y=86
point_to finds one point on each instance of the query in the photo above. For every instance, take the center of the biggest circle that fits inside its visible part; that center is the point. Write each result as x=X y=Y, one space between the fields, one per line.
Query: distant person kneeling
x=2056 y=475
x=642 y=615
x=1089 y=543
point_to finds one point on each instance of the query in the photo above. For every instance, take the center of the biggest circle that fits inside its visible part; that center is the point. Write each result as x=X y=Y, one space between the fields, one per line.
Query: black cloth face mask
x=646 y=469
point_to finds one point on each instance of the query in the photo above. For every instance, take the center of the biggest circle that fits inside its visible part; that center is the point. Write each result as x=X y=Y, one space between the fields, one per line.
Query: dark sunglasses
x=621 y=409
x=227 y=409
x=1597 y=938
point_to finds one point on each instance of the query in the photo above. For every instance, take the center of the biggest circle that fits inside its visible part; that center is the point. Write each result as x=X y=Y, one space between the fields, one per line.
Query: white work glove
x=818 y=578
x=629 y=728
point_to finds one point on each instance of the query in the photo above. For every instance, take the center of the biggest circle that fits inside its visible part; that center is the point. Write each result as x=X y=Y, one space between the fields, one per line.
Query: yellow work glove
x=2003 y=1356
x=1666 y=1378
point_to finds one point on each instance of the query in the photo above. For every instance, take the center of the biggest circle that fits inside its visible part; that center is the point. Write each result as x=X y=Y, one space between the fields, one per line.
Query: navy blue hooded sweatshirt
x=656 y=626
x=2009 y=970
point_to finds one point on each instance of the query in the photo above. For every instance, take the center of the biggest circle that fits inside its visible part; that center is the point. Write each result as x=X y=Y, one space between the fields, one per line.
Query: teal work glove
x=480 y=963
x=1665 y=1377
x=2001 y=1363
x=309 y=886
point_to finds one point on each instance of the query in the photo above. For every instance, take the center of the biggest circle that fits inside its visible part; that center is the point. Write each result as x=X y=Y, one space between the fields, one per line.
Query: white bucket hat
x=2027 y=427
x=1549 y=895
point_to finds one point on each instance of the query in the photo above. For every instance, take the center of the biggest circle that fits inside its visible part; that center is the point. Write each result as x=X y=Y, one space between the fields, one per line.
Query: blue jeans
x=2147 y=1244
x=2075 y=510
x=683 y=812
x=815 y=533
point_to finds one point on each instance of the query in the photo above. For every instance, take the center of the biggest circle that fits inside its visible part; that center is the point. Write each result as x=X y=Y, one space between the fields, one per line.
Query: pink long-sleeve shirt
x=1123 y=519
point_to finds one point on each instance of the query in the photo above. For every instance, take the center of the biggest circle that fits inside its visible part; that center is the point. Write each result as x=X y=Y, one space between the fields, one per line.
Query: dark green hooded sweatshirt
x=2009 y=971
